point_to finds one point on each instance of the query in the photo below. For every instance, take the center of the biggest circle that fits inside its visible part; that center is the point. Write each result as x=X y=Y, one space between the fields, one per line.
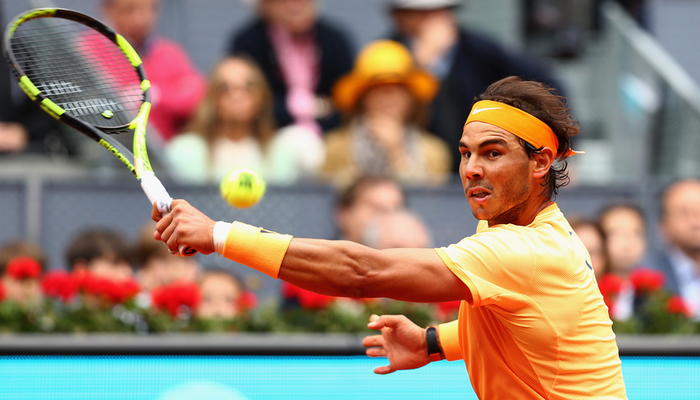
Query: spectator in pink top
x=176 y=84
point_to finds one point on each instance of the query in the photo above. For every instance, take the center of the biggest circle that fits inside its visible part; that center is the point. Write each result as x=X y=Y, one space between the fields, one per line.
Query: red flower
x=174 y=296
x=247 y=301
x=60 y=285
x=115 y=292
x=448 y=307
x=610 y=286
x=23 y=268
x=647 y=280
x=2 y=291
x=676 y=305
x=306 y=298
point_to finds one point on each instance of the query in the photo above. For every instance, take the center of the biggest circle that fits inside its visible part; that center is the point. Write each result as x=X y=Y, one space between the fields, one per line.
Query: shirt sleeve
x=449 y=340
x=497 y=261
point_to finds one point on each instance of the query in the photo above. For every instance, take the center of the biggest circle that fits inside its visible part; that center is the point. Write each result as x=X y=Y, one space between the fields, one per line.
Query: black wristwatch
x=434 y=351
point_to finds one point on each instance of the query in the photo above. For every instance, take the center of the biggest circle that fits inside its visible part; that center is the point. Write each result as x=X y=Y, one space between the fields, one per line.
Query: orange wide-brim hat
x=383 y=62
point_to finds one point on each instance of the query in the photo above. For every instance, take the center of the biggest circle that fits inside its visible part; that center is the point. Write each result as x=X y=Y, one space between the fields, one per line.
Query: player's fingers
x=373 y=341
x=376 y=322
x=387 y=321
x=163 y=223
x=155 y=214
x=384 y=369
x=169 y=235
x=376 y=352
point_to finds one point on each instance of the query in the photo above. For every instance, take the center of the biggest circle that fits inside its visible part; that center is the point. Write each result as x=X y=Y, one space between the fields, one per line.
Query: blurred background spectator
x=397 y=229
x=593 y=237
x=157 y=267
x=22 y=264
x=625 y=233
x=101 y=252
x=222 y=295
x=359 y=205
x=383 y=100
x=176 y=84
x=26 y=128
x=679 y=259
x=234 y=127
x=365 y=200
x=301 y=55
x=463 y=61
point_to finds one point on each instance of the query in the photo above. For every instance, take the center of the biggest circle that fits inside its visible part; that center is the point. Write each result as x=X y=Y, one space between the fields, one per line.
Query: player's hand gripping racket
x=86 y=75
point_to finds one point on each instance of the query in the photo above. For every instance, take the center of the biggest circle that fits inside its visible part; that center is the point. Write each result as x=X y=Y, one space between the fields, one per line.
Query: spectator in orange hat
x=384 y=101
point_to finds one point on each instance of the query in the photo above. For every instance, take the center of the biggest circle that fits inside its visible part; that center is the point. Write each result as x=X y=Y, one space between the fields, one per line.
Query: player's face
x=496 y=173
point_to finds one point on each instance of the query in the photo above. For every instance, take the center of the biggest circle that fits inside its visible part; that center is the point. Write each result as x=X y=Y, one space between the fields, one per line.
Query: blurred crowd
x=648 y=289
x=292 y=100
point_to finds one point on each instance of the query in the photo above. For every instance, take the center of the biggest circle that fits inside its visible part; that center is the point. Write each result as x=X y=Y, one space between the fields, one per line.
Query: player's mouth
x=479 y=195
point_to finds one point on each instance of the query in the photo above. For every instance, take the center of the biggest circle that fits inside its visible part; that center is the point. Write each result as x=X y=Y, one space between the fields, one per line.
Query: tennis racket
x=86 y=75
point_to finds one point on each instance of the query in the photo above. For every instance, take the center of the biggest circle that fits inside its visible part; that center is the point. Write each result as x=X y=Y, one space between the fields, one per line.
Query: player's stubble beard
x=511 y=197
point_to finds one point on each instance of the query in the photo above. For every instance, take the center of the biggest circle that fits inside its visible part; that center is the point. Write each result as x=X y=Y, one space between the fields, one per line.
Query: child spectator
x=101 y=252
x=176 y=84
x=21 y=266
x=234 y=127
x=222 y=295
x=157 y=267
x=625 y=243
x=384 y=99
x=301 y=54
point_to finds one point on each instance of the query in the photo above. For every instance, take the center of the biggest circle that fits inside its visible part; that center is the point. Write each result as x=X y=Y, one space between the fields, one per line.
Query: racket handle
x=156 y=193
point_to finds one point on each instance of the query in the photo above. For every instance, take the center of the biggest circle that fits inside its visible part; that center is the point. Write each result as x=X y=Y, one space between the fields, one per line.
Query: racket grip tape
x=156 y=193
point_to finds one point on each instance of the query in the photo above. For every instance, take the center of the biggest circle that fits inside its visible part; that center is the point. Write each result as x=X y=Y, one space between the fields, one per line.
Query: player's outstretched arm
x=330 y=267
x=402 y=342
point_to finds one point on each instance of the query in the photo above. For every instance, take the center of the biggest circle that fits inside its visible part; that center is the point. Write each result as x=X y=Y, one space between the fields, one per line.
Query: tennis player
x=532 y=323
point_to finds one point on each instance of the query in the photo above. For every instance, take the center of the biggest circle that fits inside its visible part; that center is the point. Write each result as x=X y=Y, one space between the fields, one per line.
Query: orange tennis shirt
x=537 y=327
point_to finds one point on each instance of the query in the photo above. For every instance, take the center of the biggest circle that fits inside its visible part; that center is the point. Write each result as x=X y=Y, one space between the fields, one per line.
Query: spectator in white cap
x=464 y=62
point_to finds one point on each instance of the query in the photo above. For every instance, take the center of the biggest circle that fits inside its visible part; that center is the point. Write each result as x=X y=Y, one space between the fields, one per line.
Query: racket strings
x=80 y=70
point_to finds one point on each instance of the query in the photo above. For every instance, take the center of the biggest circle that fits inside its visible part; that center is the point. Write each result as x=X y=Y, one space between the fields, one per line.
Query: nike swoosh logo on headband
x=478 y=110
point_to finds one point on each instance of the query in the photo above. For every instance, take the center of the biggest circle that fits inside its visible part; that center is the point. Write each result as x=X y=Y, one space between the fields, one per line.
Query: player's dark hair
x=98 y=243
x=544 y=103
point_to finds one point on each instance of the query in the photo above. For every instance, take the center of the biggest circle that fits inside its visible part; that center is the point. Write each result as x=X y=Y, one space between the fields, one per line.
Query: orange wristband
x=257 y=248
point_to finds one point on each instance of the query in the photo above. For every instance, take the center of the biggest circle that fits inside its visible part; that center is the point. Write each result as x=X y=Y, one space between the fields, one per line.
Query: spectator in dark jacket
x=466 y=63
x=302 y=55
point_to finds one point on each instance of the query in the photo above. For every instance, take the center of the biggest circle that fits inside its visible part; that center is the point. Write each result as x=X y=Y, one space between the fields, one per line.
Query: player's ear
x=543 y=161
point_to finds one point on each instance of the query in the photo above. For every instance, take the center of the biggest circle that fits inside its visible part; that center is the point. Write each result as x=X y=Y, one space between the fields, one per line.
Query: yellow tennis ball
x=242 y=187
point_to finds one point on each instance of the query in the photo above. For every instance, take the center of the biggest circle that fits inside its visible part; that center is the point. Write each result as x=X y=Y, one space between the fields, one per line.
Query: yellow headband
x=518 y=122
